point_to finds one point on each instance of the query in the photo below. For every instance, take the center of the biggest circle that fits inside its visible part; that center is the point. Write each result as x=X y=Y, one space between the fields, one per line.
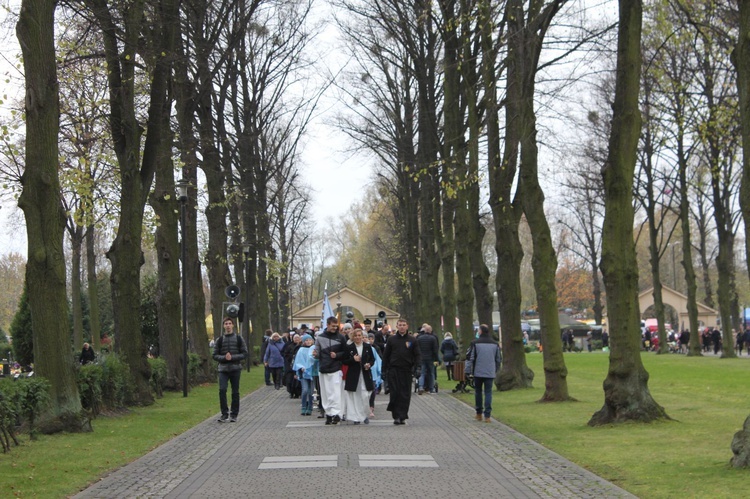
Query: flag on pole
x=327 y=310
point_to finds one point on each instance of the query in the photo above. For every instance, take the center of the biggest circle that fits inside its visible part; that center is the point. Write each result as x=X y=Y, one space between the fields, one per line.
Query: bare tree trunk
x=525 y=48
x=453 y=246
x=653 y=219
x=76 y=244
x=92 y=285
x=428 y=301
x=505 y=213
x=168 y=300
x=544 y=264
x=187 y=95
x=626 y=394
x=45 y=217
x=694 y=345
x=741 y=61
x=136 y=161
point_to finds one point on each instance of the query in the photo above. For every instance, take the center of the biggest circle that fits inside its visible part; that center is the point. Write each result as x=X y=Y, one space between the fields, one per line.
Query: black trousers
x=226 y=378
x=400 y=384
x=276 y=375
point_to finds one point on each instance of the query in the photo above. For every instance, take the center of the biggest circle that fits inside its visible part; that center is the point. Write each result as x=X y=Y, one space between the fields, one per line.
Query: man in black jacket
x=330 y=348
x=400 y=356
x=429 y=351
x=229 y=351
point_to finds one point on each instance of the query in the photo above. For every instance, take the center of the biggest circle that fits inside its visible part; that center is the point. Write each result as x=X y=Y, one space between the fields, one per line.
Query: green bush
x=90 y=384
x=31 y=396
x=9 y=414
x=149 y=312
x=158 y=375
x=116 y=382
x=5 y=347
x=21 y=332
x=195 y=374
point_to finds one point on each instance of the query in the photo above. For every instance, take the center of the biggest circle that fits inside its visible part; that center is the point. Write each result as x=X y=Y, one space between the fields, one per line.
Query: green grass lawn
x=60 y=465
x=707 y=397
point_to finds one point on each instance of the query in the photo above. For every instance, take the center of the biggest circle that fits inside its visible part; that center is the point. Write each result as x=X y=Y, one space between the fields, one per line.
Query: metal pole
x=183 y=212
x=247 y=310
x=674 y=270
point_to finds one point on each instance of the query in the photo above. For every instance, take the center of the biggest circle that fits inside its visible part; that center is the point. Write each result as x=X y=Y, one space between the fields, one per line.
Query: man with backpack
x=229 y=351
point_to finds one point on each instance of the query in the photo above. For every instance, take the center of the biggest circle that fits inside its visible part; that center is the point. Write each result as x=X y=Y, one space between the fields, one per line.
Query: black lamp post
x=182 y=187
x=246 y=322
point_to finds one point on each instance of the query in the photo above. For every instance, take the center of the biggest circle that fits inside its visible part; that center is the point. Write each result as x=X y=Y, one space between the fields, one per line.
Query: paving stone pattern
x=442 y=451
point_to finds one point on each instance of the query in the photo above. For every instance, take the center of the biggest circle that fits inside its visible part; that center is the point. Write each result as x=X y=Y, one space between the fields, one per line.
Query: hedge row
x=21 y=401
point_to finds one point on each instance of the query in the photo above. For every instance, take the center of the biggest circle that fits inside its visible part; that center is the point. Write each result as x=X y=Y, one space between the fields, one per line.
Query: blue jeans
x=487 y=382
x=226 y=378
x=306 y=396
x=427 y=378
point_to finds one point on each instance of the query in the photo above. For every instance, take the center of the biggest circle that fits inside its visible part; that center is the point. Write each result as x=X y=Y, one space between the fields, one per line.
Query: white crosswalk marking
x=396 y=461
x=287 y=462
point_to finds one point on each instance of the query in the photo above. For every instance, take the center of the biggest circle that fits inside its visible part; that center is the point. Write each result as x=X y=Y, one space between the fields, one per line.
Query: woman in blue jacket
x=274 y=358
x=303 y=369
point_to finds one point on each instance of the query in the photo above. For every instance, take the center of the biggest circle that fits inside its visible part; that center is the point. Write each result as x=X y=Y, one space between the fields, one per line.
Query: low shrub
x=22 y=400
x=158 y=375
x=116 y=381
x=90 y=388
x=195 y=371
x=9 y=414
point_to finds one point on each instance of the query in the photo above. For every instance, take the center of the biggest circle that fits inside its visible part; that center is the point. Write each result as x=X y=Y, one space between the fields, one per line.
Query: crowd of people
x=711 y=340
x=337 y=371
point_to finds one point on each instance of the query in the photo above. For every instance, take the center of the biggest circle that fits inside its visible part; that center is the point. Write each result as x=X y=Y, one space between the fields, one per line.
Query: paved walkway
x=273 y=452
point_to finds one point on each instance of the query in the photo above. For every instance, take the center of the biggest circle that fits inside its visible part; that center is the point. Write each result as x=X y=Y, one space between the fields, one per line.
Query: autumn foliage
x=574 y=287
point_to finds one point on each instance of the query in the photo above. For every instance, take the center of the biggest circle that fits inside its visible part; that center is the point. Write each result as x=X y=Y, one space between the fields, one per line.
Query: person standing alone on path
x=229 y=351
x=330 y=349
x=483 y=362
x=400 y=357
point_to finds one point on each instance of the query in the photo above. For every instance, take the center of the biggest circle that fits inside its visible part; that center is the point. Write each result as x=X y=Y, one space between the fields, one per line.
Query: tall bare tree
x=626 y=394
x=741 y=61
x=526 y=30
x=395 y=94
x=506 y=206
x=121 y=28
x=45 y=218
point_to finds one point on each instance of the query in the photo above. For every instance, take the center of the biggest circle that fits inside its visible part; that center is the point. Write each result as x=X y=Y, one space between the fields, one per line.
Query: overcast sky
x=336 y=178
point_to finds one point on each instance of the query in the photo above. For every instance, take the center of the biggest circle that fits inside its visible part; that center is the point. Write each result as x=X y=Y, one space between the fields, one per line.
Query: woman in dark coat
x=87 y=354
x=358 y=384
x=449 y=349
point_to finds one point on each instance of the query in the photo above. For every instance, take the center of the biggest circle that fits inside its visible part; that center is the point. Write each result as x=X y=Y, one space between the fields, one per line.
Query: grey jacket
x=233 y=344
x=484 y=358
